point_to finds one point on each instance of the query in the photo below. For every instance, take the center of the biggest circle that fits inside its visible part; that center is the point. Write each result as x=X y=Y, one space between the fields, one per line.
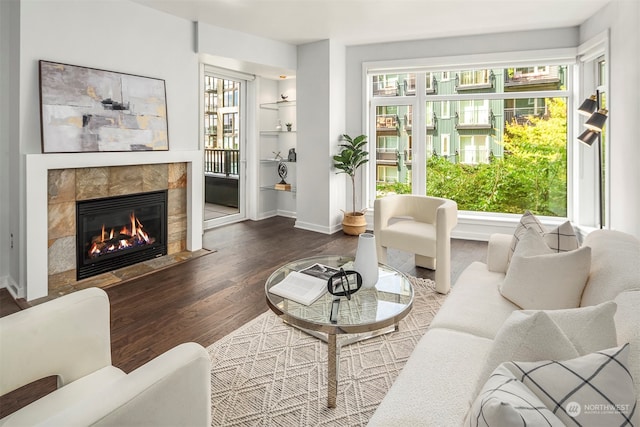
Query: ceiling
x=354 y=22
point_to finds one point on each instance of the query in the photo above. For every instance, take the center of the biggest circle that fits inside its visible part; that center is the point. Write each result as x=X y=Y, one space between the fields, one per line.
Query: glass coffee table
x=369 y=312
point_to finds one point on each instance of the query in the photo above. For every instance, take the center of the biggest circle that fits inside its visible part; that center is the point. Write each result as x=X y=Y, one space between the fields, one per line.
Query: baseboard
x=313 y=227
x=286 y=214
x=11 y=286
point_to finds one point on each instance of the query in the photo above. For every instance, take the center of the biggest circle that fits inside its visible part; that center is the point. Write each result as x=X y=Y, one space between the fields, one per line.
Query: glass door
x=223 y=159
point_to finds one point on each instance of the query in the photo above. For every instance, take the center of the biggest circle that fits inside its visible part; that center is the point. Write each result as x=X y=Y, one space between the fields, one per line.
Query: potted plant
x=351 y=157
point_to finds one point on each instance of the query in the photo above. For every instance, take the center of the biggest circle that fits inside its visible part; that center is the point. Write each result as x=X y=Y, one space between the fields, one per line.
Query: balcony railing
x=386 y=89
x=522 y=115
x=476 y=119
x=547 y=75
x=474 y=155
x=387 y=123
x=386 y=156
x=219 y=161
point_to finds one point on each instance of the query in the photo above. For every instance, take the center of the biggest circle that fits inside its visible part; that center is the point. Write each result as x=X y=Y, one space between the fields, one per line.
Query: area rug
x=267 y=373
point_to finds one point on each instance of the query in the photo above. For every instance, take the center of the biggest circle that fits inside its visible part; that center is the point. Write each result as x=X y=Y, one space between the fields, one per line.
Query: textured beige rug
x=269 y=374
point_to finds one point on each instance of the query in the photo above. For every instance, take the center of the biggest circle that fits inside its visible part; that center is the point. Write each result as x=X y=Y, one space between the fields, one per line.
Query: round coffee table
x=369 y=312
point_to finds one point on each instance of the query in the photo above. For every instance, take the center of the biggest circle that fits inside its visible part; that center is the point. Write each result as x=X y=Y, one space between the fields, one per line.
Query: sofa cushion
x=627 y=320
x=527 y=337
x=539 y=278
x=591 y=390
x=615 y=266
x=475 y=296
x=59 y=400
x=588 y=328
x=435 y=386
x=560 y=239
x=506 y=401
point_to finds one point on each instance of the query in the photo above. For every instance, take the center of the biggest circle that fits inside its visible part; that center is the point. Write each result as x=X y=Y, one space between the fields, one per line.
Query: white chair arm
x=446 y=220
x=68 y=337
x=498 y=252
x=174 y=389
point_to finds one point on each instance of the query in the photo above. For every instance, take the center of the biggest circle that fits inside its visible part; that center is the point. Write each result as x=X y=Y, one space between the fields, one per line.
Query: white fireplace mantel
x=37 y=168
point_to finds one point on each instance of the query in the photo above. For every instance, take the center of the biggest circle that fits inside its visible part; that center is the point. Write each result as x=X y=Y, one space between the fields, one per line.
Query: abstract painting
x=90 y=110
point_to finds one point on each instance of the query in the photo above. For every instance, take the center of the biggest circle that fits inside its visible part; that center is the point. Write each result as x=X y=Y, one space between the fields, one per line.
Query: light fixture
x=594 y=124
x=588 y=137
x=597 y=120
x=588 y=106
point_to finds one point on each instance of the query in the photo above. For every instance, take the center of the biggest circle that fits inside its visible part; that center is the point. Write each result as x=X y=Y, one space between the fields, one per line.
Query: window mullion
x=419 y=164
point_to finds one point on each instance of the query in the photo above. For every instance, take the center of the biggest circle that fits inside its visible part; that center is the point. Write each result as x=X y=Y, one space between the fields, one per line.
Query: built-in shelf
x=278 y=105
x=275 y=132
x=272 y=187
x=275 y=161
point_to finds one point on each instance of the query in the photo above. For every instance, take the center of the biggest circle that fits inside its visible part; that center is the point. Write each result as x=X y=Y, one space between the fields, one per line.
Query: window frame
x=561 y=56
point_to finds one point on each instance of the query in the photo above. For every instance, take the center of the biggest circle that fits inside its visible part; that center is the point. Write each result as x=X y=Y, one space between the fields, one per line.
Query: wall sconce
x=594 y=124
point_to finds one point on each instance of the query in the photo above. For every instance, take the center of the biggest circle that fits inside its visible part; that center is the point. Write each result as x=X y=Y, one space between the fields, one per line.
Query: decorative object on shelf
x=90 y=110
x=366 y=262
x=283 y=97
x=292 y=155
x=288 y=125
x=276 y=155
x=351 y=157
x=282 y=173
x=592 y=108
x=279 y=126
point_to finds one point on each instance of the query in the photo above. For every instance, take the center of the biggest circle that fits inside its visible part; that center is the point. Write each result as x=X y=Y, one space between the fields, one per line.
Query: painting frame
x=85 y=109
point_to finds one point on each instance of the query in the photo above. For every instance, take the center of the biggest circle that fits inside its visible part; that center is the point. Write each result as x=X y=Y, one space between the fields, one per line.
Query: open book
x=305 y=286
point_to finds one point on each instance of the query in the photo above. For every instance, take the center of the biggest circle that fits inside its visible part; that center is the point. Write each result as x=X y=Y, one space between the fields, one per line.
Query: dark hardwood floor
x=206 y=298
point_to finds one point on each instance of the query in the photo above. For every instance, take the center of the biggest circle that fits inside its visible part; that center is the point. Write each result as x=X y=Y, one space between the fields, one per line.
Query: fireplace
x=116 y=232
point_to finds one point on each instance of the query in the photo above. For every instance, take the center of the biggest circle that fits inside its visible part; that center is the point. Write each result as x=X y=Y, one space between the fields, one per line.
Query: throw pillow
x=540 y=279
x=529 y=337
x=560 y=239
x=588 y=328
x=592 y=390
x=505 y=401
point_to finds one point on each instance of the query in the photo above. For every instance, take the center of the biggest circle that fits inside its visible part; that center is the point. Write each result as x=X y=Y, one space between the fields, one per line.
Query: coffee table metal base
x=333 y=354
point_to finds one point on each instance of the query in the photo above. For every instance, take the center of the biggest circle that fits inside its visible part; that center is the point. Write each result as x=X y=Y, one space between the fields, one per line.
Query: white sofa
x=441 y=378
x=69 y=337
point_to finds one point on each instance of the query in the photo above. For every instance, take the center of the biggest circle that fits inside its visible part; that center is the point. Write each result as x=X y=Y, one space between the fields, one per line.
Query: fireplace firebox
x=116 y=232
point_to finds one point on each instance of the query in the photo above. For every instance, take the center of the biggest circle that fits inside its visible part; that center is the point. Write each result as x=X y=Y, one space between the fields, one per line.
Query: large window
x=492 y=139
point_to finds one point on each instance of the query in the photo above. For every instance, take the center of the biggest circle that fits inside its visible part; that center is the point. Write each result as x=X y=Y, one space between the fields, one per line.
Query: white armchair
x=69 y=337
x=421 y=225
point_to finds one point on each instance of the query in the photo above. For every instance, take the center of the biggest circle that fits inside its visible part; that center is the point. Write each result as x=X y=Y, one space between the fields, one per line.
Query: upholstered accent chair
x=420 y=225
x=69 y=337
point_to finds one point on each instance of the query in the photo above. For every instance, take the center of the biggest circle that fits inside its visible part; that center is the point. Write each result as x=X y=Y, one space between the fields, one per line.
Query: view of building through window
x=495 y=140
x=221 y=125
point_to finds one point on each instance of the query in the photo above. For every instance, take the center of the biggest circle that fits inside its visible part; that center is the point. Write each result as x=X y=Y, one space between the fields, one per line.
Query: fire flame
x=129 y=236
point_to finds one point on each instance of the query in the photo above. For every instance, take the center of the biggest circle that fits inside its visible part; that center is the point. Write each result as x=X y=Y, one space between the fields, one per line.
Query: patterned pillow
x=592 y=390
x=540 y=279
x=505 y=401
x=561 y=239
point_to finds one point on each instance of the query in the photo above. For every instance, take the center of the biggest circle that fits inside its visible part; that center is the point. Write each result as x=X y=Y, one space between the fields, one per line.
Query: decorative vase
x=366 y=262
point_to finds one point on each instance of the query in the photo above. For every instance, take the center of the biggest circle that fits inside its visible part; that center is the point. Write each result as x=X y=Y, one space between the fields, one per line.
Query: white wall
x=321 y=103
x=622 y=19
x=244 y=52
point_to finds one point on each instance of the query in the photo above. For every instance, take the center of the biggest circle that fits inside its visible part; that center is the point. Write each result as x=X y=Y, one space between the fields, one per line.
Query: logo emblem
x=573 y=409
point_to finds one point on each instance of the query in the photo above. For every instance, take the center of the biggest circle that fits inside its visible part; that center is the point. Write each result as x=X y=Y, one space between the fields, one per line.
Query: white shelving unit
x=275 y=145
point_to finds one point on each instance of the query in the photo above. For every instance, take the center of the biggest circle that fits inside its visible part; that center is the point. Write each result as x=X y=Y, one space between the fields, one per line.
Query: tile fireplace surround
x=56 y=181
